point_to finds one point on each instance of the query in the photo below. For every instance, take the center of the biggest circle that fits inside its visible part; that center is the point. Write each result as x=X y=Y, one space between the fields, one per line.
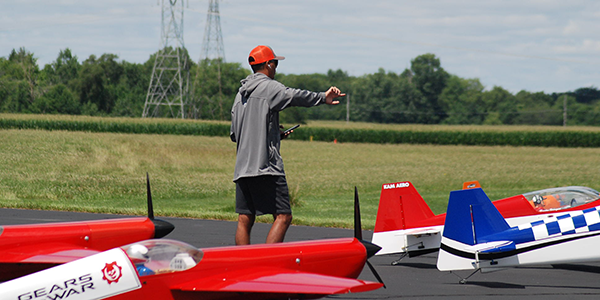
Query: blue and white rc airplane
x=477 y=237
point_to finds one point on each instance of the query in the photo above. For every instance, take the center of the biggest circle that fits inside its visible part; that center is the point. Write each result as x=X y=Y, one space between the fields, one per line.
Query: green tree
x=578 y=114
x=344 y=82
x=535 y=109
x=5 y=82
x=96 y=83
x=17 y=99
x=499 y=105
x=461 y=101
x=586 y=95
x=430 y=79
x=19 y=81
x=131 y=90
x=213 y=95
x=388 y=98
x=64 y=69
x=58 y=100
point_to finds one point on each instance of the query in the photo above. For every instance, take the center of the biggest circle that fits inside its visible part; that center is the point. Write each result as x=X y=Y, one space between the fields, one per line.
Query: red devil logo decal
x=111 y=272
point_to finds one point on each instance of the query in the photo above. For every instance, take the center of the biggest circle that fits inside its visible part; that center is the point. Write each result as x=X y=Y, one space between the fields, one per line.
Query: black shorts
x=262 y=195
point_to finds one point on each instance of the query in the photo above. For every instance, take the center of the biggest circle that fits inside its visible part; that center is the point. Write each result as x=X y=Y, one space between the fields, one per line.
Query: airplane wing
x=28 y=248
x=52 y=254
x=112 y=274
x=18 y=261
x=279 y=282
x=98 y=276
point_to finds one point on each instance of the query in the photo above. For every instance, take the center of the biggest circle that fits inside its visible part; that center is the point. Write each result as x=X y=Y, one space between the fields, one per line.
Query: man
x=261 y=187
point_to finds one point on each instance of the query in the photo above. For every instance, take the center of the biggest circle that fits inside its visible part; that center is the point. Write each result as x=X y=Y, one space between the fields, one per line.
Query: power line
x=389 y=39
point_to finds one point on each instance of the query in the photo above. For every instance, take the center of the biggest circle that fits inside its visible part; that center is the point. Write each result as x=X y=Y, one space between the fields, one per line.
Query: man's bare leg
x=280 y=226
x=245 y=223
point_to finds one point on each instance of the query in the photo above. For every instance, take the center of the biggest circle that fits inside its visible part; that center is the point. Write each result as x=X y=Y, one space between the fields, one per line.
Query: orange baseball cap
x=262 y=54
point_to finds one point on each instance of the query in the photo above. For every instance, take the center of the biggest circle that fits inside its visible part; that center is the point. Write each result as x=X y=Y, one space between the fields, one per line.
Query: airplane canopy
x=162 y=256
x=561 y=197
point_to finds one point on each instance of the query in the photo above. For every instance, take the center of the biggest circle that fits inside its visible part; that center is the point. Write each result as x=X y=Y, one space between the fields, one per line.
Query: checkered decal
x=570 y=223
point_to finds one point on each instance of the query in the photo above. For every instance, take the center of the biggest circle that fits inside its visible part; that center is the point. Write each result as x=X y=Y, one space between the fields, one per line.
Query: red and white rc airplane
x=167 y=269
x=406 y=225
x=26 y=249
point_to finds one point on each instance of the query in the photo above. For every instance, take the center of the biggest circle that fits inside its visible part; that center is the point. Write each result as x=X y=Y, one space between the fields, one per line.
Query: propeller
x=149 y=193
x=161 y=228
x=370 y=247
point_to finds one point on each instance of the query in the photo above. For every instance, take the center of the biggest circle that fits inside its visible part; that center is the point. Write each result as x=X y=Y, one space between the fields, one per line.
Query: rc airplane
x=26 y=249
x=477 y=237
x=166 y=269
x=406 y=225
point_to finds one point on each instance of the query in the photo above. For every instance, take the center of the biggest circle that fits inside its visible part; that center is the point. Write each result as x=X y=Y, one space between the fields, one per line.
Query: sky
x=534 y=45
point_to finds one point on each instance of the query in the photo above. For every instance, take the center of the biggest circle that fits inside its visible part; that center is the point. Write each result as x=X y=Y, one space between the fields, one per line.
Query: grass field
x=191 y=175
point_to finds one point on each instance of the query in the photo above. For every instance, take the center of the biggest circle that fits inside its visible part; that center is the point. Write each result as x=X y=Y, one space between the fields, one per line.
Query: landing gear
x=397 y=261
x=464 y=280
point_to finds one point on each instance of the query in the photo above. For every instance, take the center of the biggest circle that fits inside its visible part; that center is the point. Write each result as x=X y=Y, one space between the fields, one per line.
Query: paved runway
x=414 y=278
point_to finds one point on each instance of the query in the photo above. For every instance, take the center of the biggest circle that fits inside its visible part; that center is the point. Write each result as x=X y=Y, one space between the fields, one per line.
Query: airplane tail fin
x=472 y=216
x=471 y=222
x=400 y=207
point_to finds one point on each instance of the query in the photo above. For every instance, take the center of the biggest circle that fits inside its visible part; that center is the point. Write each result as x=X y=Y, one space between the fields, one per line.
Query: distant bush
x=520 y=137
x=136 y=127
x=482 y=138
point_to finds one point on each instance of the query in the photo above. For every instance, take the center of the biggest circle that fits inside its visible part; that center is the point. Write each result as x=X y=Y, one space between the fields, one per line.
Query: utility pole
x=169 y=84
x=348 y=108
x=565 y=111
x=213 y=52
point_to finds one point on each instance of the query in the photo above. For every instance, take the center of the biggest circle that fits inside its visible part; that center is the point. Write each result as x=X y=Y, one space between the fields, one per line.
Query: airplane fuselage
x=30 y=248
x=343 y=257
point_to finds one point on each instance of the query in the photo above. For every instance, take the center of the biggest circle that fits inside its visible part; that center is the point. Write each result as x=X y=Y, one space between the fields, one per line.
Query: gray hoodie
x=255 y=123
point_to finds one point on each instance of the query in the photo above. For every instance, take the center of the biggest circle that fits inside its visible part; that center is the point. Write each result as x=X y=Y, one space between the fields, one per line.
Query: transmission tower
x=169 y=84
x=212 y=45
x=213 y=53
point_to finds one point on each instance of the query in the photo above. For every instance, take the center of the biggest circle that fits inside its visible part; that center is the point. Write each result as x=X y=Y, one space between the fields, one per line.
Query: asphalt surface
x=413 y=278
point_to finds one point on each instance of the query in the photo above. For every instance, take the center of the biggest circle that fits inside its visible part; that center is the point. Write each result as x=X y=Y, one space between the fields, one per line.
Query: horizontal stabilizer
x=422 y=231
x=279 y=282
x=494 y=247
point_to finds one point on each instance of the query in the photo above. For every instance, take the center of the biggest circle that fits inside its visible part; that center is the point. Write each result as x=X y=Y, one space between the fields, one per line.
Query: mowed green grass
x=191 y=175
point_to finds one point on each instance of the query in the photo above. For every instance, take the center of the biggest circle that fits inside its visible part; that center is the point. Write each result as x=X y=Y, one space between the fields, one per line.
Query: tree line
x=424 y=93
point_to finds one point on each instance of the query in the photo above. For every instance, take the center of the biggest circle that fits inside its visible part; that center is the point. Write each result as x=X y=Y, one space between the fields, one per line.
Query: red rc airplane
x=26 y=249
x=406 y=225
x=167 y=269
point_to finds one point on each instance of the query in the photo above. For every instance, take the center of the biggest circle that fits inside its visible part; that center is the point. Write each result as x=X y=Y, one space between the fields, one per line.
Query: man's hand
x=332 y=93
x=282 y=133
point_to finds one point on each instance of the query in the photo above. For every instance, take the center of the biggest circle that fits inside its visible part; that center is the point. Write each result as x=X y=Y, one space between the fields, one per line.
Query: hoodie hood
x=250 y=83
